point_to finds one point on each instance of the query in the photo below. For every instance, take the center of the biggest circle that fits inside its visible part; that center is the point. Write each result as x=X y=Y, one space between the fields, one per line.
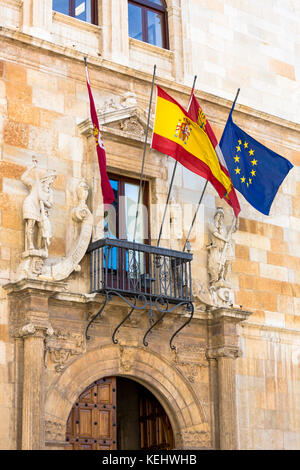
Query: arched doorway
x=116 y=413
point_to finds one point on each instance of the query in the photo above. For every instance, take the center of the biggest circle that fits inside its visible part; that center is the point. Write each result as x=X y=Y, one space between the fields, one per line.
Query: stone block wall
x=43 y=98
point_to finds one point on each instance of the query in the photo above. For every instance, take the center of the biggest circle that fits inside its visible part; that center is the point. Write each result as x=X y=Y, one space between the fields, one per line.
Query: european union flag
x=255 y=171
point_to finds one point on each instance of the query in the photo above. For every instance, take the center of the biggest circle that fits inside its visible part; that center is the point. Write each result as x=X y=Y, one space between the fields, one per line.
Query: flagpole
x=205 y=186
x=195 y=215
x=144 y=154
x=174 y=171
x=233 y=104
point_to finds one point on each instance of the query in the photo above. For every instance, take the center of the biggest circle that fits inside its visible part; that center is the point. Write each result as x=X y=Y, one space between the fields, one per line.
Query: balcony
x=147 y=278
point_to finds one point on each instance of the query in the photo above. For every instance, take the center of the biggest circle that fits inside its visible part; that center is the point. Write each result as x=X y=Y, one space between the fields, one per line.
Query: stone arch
x=167 y=384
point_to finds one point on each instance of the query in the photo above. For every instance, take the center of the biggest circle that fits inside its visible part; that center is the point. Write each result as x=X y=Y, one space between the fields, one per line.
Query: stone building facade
x=232 y=380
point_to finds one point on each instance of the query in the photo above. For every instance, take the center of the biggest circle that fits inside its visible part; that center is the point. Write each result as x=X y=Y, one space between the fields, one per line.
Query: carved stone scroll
x=83 y=216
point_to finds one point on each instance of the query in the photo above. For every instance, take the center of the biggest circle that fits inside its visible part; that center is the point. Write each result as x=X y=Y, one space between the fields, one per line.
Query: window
x=148 y=21
x=120 y=220
x=85 y=10
x=119 y=223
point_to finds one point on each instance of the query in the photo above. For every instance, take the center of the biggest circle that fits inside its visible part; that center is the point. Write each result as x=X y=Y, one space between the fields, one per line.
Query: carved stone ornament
x=190 y=370
x=34 y=264
x=220 y=256
x=61 y=348
x=126 y=359
x=193 y=439
x=132 y=125
x=127 y=100
x=82 y=215
x=55 y=431
x=30 y=329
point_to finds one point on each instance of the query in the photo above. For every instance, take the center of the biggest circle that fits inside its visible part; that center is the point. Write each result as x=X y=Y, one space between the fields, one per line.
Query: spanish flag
x=198 y=115
x=176 y=134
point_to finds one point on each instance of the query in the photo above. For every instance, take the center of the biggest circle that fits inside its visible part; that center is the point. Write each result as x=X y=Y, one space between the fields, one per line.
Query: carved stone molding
x=223 y=351
x=121 y=118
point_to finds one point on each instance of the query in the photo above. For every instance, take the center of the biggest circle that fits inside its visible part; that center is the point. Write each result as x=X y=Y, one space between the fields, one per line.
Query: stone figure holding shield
x=36 y=208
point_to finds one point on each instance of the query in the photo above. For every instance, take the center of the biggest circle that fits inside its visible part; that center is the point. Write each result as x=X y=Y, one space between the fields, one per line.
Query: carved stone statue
x=220 y=255
x=36 y=208
x=33 y=264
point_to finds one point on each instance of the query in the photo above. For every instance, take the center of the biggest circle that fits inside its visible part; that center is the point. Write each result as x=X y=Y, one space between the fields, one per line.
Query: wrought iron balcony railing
x=144 y=276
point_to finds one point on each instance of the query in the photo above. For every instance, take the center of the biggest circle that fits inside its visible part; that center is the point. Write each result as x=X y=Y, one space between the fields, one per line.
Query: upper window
x=148 y=21
x=85 y=10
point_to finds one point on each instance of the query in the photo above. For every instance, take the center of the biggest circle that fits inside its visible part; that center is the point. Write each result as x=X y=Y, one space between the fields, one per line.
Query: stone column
x=175 y=30
x=223 y=347
x=114 y=21
x=33 y=387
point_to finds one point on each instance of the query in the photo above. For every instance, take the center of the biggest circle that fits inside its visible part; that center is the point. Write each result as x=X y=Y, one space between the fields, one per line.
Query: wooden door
x=155 y=427
x=92 y=424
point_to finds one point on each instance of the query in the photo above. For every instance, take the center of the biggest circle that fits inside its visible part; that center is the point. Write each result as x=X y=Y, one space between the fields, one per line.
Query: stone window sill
x=154 y=50
x=74 y=22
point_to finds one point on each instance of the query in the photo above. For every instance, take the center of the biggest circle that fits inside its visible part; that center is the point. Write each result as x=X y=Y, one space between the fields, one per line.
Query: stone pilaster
x=37 y=18
x=224 y=349
x=175 y=39
x=29 y=316
x=33 y=387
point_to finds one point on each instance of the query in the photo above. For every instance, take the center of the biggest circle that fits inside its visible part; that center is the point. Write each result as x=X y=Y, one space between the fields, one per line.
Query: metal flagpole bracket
x=144 y=153
x=107 y=298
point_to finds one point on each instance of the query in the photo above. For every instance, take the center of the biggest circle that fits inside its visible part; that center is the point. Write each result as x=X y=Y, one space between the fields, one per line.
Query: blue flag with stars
x=256 y=171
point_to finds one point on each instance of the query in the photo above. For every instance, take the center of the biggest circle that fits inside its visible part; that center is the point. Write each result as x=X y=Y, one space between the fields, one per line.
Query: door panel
x=155 y=427
x=92 y=421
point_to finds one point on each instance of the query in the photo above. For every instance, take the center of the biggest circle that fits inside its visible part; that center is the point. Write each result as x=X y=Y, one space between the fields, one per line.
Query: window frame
x=147 y=5
x=94 y=12
x=122 y=180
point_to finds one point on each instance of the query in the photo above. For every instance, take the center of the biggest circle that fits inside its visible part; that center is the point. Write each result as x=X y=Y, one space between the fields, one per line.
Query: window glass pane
x=158 y=2
x=135 y=21
x=131 y=199
x=111 y=215
x=83 y=10
x=61 y=5
x=155 y=28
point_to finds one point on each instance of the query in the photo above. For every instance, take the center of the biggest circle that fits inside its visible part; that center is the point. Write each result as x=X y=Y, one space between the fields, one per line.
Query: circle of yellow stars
x=254 y=162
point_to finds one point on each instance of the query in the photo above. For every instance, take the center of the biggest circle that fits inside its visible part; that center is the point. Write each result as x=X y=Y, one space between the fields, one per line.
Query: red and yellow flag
x=176 y=134
x=198 y=115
